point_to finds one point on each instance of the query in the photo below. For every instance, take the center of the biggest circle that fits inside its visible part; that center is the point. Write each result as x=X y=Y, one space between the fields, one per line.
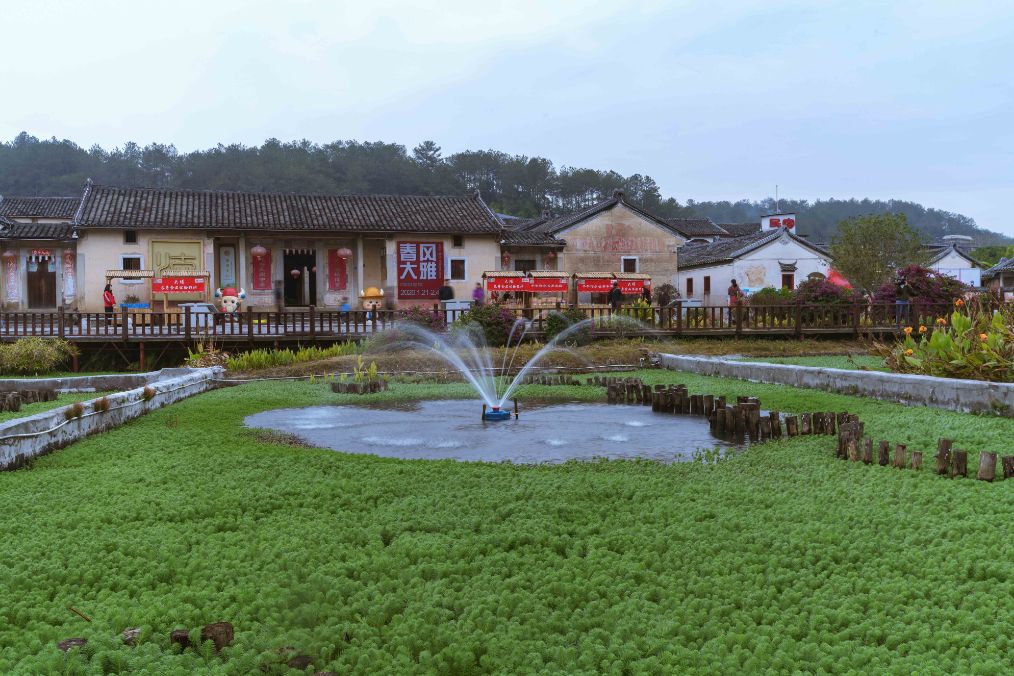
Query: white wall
x=959 y=268
x=755 y=270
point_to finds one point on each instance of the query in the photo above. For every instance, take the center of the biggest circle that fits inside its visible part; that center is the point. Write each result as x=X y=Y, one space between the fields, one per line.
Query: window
x=788 y=281
x=629 y=264
x=458 y=241
x=130 y=237
x=457 y=270
x=690 y=287
x=524 y=264
x=132 y=262
x=707 y=284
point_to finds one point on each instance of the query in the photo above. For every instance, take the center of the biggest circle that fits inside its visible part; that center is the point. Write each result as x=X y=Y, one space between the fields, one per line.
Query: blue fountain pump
x=496 y=413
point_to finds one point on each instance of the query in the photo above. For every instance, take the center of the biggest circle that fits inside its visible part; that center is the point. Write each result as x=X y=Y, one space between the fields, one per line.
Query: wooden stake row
x=547 y=379
x=854 y=445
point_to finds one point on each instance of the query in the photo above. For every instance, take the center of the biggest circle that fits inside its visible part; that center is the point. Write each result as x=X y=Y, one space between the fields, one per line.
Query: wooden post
x=791 y=428
x=987 y=466
x=916 y=460
x=1008 y=466
x=740 y=420
x=944 y=456
x=60 y=318
x=484 y=412
x=123 y=326
x=739 y=318
x=883 y=451
x=140 y=356
x=960 y=463
x=249 y=324
x=853 y=449
x=867 y=450
x=313 y=328
x=765 y=428
x=805 y=424
x=799 y=319
x=186 y=323
x=679 y=316
x=900 y=456
x=776 y=424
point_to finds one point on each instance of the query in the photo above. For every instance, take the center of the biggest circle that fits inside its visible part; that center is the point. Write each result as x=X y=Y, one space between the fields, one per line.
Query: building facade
x=38 y=251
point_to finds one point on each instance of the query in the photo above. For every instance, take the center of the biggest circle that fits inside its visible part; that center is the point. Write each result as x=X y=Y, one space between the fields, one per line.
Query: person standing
x=109 y=302
x=477 y=295
x=446 y=292
x=735 y=299
x=615 y=296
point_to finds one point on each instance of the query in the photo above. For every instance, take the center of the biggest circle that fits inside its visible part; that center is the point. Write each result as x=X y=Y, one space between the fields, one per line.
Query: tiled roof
x=556 y=224
x=739 y=229
x=14 y=230
x=39 y=207
x=729 y=248
x=516 y=237
x=939 y=250
x=1005 y=265
x=696 y=227
x=138 y=208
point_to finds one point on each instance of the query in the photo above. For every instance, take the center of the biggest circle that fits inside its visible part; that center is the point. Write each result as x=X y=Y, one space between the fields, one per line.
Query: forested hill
x=513 y=184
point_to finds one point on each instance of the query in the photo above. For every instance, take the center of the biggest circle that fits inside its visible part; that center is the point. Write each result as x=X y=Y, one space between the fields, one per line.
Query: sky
x=714 y=100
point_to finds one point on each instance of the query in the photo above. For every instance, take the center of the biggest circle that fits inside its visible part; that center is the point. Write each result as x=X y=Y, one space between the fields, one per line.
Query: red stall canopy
x=533 y=281
x=632 y=283
x=593 y=282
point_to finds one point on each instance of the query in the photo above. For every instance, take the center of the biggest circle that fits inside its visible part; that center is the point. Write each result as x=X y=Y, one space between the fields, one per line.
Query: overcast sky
x=715 y=100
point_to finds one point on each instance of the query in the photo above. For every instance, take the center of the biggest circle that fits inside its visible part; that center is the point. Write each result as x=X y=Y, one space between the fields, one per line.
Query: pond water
x=549 y=433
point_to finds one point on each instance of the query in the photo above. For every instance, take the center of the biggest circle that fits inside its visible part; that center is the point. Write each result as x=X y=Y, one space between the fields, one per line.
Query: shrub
x=75 y=410
x=434 y=320
x=769 y=295
x=101 y=405
x=147 y=393
x=265 y=359
x=640 y=310
x=494 y=320
x=35 y=356
x=558 y=322
x=823 y=292
x=665 y=294
x=926 y=287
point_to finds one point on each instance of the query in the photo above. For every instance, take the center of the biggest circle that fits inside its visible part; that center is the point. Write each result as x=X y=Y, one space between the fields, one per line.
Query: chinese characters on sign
x=177 y=285
x=528 y=284
x=227 y=265
x=787 y=221
x=420 y=269
x=595 y=285
x=262 y=272
x=631 y=287
x=506 y=283
x=337 y=273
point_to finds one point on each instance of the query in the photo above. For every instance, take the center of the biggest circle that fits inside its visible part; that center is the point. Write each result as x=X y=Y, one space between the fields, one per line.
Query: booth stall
x=591 y=289
x=527 y=290
x=183 y=285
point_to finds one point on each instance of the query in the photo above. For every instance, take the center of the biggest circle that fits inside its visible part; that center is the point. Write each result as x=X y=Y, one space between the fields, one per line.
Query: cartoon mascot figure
x=230 y=299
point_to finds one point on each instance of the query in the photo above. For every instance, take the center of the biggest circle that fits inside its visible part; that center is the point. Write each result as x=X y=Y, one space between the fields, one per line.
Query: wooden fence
x=314 y=324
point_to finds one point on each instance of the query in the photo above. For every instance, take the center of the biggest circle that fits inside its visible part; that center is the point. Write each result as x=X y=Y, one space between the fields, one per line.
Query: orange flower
x=959 y=302
x=909 y=351
x=908 y=330
x=983 y=337
x=941 y=321
x=922 y=329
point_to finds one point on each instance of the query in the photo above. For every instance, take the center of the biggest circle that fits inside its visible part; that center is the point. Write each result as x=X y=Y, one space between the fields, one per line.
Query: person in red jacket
x=109 y=302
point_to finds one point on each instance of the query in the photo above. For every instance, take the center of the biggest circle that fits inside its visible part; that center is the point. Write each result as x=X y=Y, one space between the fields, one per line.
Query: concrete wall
x=755 y=270
x=946 y=393
x=600 y=243
x=26 y=438
x=107 y=383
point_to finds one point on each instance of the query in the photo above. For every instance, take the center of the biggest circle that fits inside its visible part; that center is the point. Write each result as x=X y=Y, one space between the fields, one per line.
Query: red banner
x=337 y=272
x=631 y=287
x=595 y=285
x=506 y=284
x=177 y=285
x=420 y=269
x=262 y=272
x=547 y=284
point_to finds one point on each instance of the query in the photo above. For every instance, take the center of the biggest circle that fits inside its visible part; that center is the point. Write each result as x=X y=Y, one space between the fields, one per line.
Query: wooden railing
x=313 y=323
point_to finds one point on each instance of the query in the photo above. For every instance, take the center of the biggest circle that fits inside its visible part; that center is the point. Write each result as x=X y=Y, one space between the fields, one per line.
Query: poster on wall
x=420 y=265
x=227 y=265
x=11 y=278
x=177 y=285
x=506 y=283
x=547 y=284
x=337 y=271
x=262 y=272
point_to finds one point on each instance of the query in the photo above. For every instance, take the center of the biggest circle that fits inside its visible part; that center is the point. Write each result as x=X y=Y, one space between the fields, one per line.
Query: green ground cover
x=38 y=407
x=779 y=559
x=853 y=362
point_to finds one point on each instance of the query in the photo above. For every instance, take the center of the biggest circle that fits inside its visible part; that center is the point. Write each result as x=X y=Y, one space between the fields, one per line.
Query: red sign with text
x=177 y=285
x=262 y=272
x=420 y=269
x=337 y=272
x=547 y=284
x=596 y=285
x=506 y=283
x=631 y=287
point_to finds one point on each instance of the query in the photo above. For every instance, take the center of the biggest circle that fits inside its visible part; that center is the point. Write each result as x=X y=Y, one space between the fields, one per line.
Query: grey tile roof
x=727 y=249
x=516 y=237
x=15 y=230
x=1004 y=265
x=939 y=250
x=39 y=207
x=556 y=224
x=696 y=227
x=739 y=229
x=140 y=208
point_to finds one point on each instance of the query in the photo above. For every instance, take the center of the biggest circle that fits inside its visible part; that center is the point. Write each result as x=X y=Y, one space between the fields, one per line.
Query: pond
x=544 y=433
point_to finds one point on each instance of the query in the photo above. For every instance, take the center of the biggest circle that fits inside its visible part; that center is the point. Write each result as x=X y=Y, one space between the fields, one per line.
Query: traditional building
x=1000 y=278
x=284 y=250
x=39 y=262
x=776 y=258
x=951 y=256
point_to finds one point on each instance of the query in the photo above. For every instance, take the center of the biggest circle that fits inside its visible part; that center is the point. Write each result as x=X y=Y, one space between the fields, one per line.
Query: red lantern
x=258 y=251
x=294 y=272
x=344 y=252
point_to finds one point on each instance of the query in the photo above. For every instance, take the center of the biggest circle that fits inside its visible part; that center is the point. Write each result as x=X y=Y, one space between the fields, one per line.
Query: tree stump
x=1008 y=466
x=791 y=426
x=806 y=422
x=68 y=643
x=709 y=404
x=867 y=450
x=883 y=453
x=900 y=459
x=943 y=456
x=180 y=637
x=765 y=428
x=219 y=633
x=987 y=467
x=960 y=459
x=916 y=460
x=852 y=450
x=776 y=424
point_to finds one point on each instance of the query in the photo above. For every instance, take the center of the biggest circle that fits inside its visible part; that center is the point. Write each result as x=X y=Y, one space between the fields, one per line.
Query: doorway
x=300 y=277
x=41 y=282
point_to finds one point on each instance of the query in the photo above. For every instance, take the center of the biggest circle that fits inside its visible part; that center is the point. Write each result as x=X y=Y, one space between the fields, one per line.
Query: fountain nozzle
x=495 y=413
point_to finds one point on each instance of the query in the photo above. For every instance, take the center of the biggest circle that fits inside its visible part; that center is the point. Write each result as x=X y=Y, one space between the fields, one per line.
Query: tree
x=868 y=250
x=991 y=255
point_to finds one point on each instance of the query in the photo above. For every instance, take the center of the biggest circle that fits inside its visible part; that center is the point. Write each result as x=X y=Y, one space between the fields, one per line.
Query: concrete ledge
x=114 y=382
x=946 y=393
x=26 y=438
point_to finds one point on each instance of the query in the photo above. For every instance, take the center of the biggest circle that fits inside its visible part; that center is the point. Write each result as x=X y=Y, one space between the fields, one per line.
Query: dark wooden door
x=41 y=287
